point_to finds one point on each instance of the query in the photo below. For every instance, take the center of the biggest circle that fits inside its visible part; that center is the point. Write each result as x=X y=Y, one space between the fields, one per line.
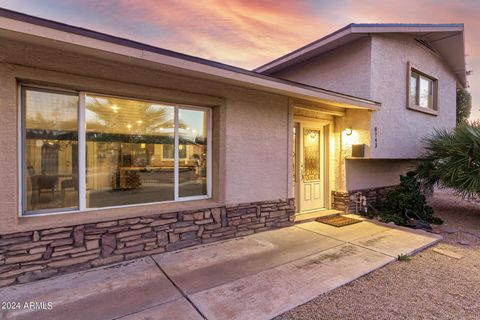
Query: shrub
x=464 y=105
x=403 y=258
x=406 y=202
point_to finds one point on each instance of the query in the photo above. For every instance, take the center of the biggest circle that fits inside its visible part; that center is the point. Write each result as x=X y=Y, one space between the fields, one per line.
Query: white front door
x=311 y=172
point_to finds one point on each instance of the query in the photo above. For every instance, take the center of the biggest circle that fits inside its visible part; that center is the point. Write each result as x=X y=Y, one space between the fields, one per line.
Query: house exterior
x=113 y=149
x=378 y=62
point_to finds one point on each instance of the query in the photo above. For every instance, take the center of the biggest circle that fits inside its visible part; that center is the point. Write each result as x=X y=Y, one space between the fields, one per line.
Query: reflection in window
x=193 y=145
x=426 y=93
x=168 y=151
x=126 y=161
x=413 y=89
x=421 y=91
x=51 y=150
x=129 y=148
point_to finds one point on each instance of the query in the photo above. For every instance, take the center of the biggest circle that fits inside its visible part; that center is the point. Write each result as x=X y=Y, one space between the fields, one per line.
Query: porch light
x=348 y=131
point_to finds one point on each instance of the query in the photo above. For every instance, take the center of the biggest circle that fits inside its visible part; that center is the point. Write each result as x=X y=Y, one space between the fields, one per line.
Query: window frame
x=82 y=174
x=416 y=107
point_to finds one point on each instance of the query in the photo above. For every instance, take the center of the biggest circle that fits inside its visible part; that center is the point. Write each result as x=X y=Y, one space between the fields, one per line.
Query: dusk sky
x=248 y=33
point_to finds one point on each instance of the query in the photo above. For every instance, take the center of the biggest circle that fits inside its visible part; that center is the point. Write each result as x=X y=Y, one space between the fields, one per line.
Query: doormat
x=338 y=220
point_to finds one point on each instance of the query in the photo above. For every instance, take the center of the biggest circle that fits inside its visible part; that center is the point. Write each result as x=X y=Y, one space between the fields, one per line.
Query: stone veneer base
x=345 y=200
x=39 y=254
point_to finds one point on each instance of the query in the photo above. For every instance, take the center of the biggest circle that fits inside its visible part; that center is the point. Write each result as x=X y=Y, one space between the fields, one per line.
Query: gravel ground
x=430 y=286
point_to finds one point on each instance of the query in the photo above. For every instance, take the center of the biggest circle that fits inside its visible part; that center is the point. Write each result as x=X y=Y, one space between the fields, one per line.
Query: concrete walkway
x=255 y=277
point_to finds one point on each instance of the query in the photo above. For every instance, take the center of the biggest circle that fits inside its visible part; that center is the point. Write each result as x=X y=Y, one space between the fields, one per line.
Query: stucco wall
x=374 y=173
x=401 y=130
x=359 y=121
x=345 y=70
x=250 y=127
x=256 y=146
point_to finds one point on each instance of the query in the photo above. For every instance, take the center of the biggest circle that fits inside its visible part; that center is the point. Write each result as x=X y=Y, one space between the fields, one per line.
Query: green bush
x=404 y=203
x=464 y=105
x=403 y=258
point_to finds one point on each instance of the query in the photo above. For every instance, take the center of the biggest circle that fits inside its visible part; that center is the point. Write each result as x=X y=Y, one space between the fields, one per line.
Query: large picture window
x=84 y=151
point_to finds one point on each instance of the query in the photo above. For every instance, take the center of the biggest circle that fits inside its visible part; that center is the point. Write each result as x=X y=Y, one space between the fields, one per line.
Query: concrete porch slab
x=274 y=291
x=347 y=233
x=398 y=241
x=104 y=293
x=204 y=267
x=255 y=277
x=177 y=309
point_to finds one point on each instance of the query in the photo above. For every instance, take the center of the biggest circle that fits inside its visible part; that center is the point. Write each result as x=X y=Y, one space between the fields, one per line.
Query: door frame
x=327 y=125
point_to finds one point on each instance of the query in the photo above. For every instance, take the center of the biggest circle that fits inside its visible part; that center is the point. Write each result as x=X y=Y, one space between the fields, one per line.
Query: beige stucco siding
x=345 y=70
x=401 y=130
x=374 y=173
x=360 y=122
x=256 y=147
x=250 y=127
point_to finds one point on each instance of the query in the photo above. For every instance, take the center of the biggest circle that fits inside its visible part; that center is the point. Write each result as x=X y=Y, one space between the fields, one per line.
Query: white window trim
x=82 y=206
x=82 y=146
x=176 y=178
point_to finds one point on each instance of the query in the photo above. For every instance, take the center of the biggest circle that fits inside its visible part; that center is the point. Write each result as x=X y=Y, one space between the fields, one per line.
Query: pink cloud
x=243 y=33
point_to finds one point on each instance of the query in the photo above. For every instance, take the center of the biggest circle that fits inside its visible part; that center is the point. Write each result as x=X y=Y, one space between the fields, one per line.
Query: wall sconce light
x=348 y=131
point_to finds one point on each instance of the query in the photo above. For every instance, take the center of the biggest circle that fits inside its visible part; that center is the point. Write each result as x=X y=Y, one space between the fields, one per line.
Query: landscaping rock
x=449 y=229
x=448 y=253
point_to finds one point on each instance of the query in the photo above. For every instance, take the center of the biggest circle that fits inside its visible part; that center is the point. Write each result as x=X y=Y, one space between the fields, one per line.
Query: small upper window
x=422 y=91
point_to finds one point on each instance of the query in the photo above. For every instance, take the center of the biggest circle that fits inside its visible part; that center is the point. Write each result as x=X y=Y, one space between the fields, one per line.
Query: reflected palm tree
x=127 y=131
x=129 y=117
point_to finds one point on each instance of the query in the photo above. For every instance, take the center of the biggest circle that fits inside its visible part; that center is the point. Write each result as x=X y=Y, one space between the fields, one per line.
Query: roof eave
x=360 y=29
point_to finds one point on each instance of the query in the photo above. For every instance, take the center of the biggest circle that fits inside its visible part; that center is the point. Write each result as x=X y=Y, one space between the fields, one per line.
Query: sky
x=249 y=33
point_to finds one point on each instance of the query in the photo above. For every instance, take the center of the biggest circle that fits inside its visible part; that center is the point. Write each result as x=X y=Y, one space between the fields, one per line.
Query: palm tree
x=452 y=159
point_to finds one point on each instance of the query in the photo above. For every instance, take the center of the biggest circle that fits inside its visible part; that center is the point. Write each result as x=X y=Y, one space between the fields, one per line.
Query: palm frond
x=452 y=159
